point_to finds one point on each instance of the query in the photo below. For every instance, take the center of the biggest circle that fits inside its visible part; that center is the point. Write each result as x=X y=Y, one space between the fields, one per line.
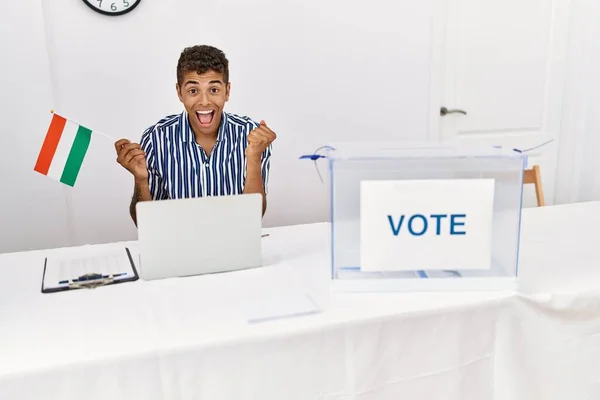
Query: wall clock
x=112 y=7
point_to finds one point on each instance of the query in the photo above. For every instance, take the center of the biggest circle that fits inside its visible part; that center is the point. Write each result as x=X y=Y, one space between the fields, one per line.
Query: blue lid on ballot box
x=425 y=216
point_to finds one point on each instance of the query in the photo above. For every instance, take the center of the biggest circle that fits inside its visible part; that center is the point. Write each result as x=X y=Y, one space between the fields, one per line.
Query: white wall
x=33 y=212
x=588 y=168
x=578 y=177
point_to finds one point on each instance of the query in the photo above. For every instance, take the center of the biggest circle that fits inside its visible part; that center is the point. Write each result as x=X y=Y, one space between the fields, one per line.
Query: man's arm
x=254 y=180
x=148 y=184
x=258 y=161
x=141 y=192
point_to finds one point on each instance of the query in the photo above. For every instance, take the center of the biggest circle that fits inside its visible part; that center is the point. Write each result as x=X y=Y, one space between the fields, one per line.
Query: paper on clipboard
x=65 y=269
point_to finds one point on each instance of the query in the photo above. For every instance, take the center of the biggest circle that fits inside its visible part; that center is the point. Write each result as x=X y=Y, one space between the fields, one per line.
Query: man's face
x=204 y=97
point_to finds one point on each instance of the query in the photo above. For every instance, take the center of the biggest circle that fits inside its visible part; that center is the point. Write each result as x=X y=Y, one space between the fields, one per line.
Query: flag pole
x=93 y=131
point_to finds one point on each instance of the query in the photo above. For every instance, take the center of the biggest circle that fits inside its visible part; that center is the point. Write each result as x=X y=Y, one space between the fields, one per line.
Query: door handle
x=444 y=111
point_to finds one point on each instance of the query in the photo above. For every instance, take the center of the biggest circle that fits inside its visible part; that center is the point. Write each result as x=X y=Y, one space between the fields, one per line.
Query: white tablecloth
x=188 y=338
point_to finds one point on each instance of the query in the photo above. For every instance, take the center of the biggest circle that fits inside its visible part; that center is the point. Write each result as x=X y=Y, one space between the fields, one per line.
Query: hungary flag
x=63 y=150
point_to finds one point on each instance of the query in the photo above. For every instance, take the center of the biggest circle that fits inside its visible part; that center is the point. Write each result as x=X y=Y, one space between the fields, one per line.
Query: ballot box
x=424 y=216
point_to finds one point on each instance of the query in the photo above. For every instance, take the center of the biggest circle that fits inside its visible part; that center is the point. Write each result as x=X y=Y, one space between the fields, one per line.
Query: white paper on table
x=62 y=268
x=280 y=306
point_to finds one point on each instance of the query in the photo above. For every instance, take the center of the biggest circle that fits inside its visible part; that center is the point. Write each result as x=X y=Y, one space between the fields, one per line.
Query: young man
x=204 y=151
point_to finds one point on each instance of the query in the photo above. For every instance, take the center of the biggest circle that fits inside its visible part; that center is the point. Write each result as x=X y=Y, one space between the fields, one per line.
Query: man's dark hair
x=201 y=59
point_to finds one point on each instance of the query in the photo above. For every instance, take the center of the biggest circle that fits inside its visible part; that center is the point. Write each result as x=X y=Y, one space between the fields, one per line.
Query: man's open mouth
x=205 y=117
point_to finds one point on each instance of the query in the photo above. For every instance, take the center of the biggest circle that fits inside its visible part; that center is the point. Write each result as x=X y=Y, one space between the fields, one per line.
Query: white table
x=188 y=339
x=550 y=333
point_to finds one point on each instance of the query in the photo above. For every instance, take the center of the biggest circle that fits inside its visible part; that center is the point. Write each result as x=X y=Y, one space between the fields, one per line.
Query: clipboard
x=91 y=280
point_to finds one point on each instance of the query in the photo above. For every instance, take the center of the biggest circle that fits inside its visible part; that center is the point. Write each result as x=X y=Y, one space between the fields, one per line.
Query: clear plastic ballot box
x=424 y=216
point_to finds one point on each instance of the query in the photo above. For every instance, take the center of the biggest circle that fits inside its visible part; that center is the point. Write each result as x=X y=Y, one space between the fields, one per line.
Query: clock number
x=125 y=3
x=100 y=5
x=113 y=7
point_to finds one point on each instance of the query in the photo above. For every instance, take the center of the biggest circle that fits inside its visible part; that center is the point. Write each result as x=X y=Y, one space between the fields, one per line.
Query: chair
x=533 y=176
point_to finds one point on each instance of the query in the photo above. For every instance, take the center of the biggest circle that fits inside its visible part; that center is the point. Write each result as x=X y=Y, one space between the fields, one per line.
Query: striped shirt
x=179 y=168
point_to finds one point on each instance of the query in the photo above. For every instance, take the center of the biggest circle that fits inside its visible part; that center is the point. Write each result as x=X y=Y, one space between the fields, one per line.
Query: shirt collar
x=187 y=133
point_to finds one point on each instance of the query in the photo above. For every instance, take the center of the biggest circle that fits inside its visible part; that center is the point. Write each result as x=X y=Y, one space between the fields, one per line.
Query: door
x=503 y=76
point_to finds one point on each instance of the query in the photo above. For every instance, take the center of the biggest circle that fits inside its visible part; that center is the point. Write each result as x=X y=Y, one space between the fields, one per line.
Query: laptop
x=198 y=236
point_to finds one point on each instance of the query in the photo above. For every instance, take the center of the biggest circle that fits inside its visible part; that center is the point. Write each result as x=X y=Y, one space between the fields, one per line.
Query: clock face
x=112 y=7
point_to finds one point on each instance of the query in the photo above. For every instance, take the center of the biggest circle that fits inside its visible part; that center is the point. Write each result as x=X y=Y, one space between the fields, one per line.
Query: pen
x=63 y=282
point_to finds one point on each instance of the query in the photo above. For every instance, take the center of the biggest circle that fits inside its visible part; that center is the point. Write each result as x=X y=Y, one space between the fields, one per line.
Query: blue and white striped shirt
x=179 y=168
